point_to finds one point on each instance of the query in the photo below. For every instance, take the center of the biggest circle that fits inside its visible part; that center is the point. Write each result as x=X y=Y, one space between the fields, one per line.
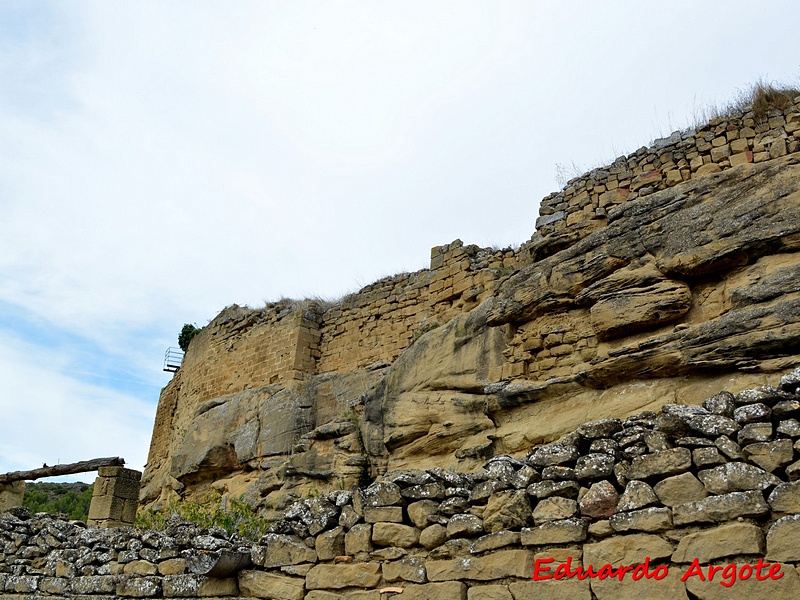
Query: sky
x=162 y=160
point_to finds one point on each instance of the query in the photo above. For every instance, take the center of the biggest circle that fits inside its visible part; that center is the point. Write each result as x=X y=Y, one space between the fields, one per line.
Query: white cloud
x=51 y=417
x=159 y=161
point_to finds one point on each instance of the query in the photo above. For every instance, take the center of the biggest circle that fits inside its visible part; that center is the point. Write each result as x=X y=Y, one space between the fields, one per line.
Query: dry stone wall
x=687 y=502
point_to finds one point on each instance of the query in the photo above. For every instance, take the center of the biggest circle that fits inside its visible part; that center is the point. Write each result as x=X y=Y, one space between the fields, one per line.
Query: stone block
x=364 y=575
x=680 y=489
x=785 y=498
x=123 y=487
x=637 y=494
x=55 y=586
x=138 y=587
x=626 y=550
x=651 y=519
x=259 y=584
x=741 y=158
x=330 y=544
x=464 y=525
x=594 y=466
x=342 y=595
x=706 y=457
x=667 y=462
x=406 y=569
x=770 y=455
x=720 y=152
x=358 y=539
x=193 y=586
x=433 y=536
x=725 y=507
x=489 y=592
x=281 y=550
x=739 y=145
x=736 y=477
x=497 y=565
x=669 y=587
x=454 y=590
x=93 y=584
x=493 y=541
x=708 y=169
x=119 y=472
x=673 y=177
x=172 y=566
x=554 y=509
x=783 y=539
x=555 y=532
x=383 y=514
x=395 y=534
x=601 y=529
x=21 y=584
x=755 y=432
x=419 y=512
x=214 y=587
x=546 y=489
x=140 y=567
x=181 y=586
x=730 y=539
x=11 y=495
x=600 y=501
x=103 y=508
x=563 y=589
x=507 y=510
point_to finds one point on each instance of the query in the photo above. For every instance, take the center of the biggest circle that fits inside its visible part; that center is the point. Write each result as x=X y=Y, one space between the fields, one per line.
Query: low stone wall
x=656 y=504
x=582 y=206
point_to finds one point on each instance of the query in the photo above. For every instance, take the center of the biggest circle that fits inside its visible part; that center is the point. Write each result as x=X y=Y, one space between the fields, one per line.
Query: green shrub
x=187 y=333
x=71 y=499
x=237 y=517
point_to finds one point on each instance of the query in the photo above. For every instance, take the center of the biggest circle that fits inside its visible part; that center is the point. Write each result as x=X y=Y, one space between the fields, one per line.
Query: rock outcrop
x=666 y=277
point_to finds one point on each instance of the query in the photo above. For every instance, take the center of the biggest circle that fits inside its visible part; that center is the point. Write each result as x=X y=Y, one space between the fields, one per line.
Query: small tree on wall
x=187 y=333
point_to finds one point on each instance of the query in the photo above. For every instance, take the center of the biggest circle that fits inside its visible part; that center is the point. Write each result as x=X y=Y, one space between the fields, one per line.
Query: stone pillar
x=115 y=498
x=11 y=494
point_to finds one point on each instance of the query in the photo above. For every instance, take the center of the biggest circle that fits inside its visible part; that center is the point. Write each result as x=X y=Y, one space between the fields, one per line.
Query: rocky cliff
x=661 y=279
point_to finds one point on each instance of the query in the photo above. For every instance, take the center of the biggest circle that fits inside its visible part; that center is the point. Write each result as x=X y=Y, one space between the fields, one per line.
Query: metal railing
x=173 y=359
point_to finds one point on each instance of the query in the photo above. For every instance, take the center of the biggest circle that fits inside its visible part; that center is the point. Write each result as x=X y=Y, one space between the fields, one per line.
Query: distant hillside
x=72 y=499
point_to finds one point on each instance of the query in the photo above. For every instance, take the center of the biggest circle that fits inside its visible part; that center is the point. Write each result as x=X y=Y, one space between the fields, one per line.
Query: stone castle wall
x=244 y=348
x=676 y=290
x=382 y=319
x=583 y=205
x=654 y=504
